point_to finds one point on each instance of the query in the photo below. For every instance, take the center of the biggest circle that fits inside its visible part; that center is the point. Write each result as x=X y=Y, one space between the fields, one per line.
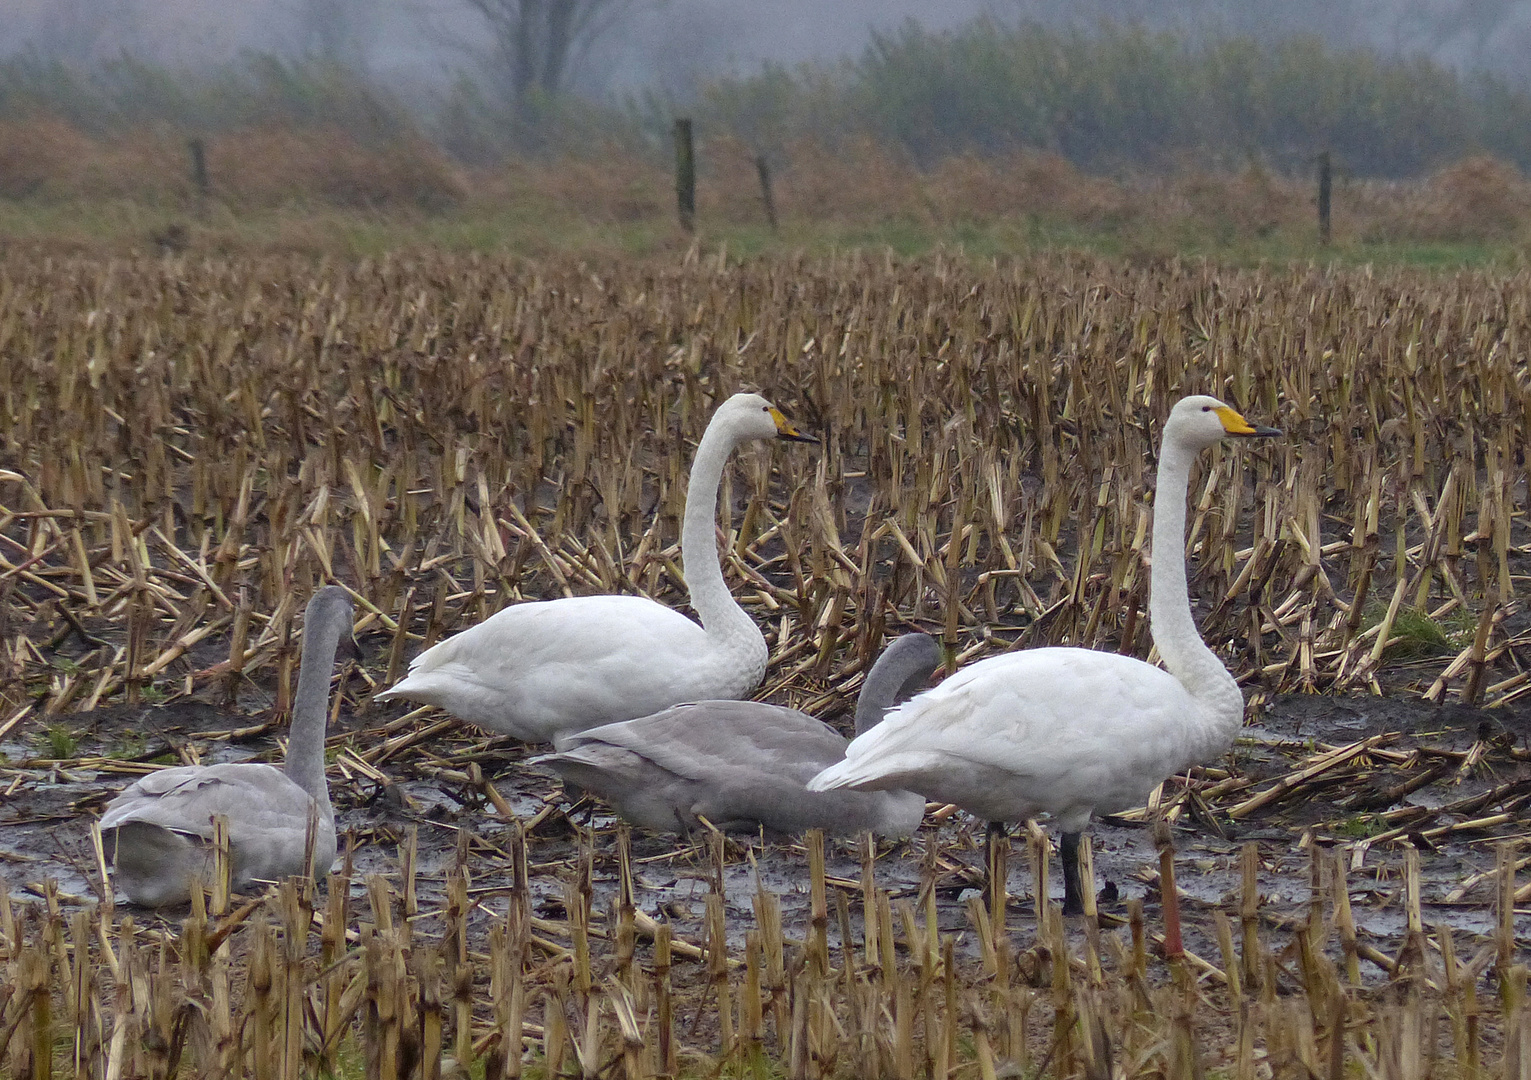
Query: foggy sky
x=672 y=45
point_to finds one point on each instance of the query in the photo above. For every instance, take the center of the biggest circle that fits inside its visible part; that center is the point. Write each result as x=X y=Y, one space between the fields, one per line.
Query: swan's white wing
x=1060 y=730
x=540 y=669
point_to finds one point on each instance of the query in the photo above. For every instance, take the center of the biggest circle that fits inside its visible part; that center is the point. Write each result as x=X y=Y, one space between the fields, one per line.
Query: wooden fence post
x=685 y=175
x=763 y=168
x=1325 y=184
x=199 y=167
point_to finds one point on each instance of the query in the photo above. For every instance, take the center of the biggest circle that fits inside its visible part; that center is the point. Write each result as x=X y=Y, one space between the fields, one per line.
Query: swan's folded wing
x=714 y=741
x=738 y=764
x=537 y=670
x=570 y=631
x=252 y=797
x=1040 y=716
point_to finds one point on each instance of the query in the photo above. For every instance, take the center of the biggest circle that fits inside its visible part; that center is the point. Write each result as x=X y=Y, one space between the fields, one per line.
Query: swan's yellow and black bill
x=1234 y=424
x=786 y=429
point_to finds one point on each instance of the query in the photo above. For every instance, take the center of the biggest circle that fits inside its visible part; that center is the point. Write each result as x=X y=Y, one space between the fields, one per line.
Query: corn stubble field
x=191 y=445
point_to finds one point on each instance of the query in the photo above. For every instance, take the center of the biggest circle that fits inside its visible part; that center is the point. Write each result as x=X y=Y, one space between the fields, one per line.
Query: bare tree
x=536 y=41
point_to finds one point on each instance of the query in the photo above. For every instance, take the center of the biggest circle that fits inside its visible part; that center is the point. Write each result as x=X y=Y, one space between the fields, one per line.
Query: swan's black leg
x=1173 y=946
x=1073 y=888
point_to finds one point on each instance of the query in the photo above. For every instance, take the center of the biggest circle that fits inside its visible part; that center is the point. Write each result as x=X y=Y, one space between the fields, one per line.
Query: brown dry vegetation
x=862 y=182
x=194 y=443
x=867 y=182
x=47 y=159
x=1479 y=199
x=409 y=402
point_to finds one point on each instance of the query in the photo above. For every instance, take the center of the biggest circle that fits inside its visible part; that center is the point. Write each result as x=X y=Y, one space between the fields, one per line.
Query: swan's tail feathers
x=418 y=686
x=597 y=768
x=835 y=776
x=556 y=763
x=154 y=865
x=416 y=682
x=399 y=691
x=889 y=773
x=423 y=682
x=849 y=773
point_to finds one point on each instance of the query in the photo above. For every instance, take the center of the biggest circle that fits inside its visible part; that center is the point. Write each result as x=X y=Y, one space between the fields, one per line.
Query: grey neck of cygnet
x=310 y=708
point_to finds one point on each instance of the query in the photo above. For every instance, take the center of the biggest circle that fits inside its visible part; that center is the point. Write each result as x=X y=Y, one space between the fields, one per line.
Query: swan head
x=750 y=416
x=1198 y=421
x=331 y=598
x=333 y=603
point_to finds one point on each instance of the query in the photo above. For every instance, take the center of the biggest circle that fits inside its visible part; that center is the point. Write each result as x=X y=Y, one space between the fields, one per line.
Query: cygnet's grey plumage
x=158 y=831
x=744 y=764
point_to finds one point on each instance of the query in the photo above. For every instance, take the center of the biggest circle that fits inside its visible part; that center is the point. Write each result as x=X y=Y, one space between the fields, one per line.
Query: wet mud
x=1448 y=781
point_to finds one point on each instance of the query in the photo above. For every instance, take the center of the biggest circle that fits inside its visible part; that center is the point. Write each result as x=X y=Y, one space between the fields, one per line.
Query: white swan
x=1069 y=732
x=743 y=764
x=158 y=830
x=549 y=667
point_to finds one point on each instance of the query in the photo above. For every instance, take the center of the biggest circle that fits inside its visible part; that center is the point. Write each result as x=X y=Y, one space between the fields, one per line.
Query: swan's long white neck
x=1174 y=631
x=722 y=617
x=310 y=707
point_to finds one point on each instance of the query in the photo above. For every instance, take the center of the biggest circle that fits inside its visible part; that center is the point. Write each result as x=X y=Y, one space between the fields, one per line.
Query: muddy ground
x=1464 y=766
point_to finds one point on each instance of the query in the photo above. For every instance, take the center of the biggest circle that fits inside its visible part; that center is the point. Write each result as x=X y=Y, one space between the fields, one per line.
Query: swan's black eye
x=1206 y=408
